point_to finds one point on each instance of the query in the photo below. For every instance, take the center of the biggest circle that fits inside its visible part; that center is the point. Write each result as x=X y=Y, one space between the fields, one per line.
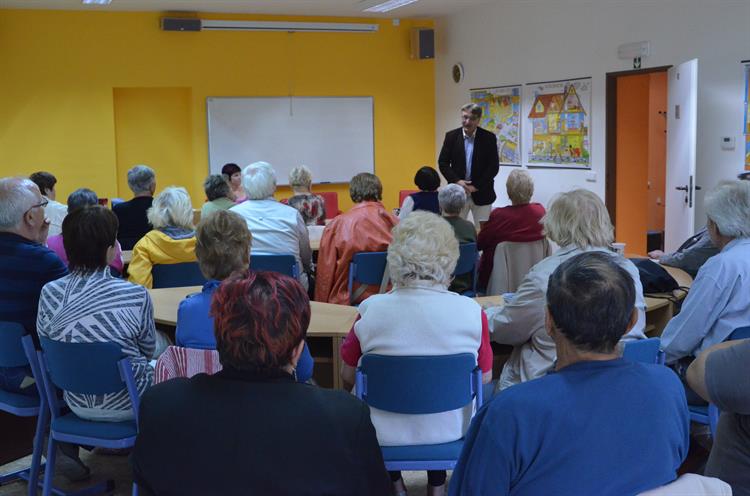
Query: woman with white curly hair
x=171 y=241
x=420 y=317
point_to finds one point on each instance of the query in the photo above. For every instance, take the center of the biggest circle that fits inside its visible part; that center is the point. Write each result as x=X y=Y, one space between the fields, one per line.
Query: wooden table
x=329 y=325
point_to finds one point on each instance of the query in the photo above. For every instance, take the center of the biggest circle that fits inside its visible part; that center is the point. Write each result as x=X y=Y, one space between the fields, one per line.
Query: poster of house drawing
x=501 y=114
x=747 y=116
x=557 y=131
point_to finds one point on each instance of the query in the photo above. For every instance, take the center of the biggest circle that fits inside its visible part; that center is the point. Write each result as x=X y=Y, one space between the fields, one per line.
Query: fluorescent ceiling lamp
x=389 y=5
x=97 y=2
x=324 y=27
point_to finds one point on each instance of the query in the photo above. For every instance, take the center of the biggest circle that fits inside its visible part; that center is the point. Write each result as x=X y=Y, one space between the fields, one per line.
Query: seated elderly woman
x=428 y=182
x=366 y=227
x=217 y=192
x=90 y=305
x=82 y=197
x=223 y=248
x=311 y=207
x=518 y=222
x=718 y=302
x=578 y=222
x=54 y=210
x=452 y=199
x=132 y=214
x=233 y=176
x=420 y=317
x=276 y=228
x=171 y=241
x=258 y=431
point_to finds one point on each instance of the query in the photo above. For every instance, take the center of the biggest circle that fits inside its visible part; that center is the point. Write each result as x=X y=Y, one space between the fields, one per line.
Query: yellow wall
x=73 y=81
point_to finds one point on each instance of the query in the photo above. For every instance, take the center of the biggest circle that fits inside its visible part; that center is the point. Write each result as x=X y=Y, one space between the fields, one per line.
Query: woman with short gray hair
x=217 y=192
x=171 y=241
x=311 y=207
x=420 y=317
x=519 y=222
x=452 y=199
x=718 y=302
x=132 y=214
x=577 y=221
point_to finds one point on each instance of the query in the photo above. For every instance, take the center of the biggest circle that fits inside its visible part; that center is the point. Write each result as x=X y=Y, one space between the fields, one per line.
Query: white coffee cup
x=619 y=248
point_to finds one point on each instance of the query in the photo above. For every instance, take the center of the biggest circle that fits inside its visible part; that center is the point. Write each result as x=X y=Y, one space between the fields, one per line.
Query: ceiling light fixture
x=388 y=6
x=97 y=2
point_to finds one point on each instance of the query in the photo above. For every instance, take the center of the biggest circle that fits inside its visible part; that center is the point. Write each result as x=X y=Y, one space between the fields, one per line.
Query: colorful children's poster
x=501 y=114
x=557 y=131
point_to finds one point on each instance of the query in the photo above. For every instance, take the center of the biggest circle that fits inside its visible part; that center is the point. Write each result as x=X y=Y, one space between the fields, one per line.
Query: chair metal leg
x=49 y=473
x=36 y=457
x=135 y=489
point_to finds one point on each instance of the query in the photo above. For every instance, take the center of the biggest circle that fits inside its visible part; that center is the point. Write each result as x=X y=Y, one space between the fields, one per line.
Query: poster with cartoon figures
x=746 y=126
x=557 y=129
x=501 y=114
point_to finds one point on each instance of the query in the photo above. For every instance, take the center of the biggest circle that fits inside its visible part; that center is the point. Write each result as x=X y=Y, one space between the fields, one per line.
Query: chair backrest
x=644 y=351
x=11 y=347
x=85 y=368
x=275 y=262
x=403 y=194
x=467 y=258
x=511 y=263
x=367 y=268
x=419 y=384
x=739 y=333
x=177 y=361
x=331 y=200
x=177 y=275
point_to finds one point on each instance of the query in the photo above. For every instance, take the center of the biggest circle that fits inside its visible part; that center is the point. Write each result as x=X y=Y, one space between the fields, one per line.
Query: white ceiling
x=344 y=8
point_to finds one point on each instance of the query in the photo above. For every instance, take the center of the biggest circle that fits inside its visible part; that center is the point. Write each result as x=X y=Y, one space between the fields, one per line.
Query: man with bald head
x=25 y=264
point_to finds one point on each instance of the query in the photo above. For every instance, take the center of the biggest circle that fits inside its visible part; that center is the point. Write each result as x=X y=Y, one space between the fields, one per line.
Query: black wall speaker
x=180 y=24
x=422 y=43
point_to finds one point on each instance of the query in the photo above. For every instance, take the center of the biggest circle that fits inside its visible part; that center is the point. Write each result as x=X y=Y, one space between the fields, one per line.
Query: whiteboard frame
x=290 y=97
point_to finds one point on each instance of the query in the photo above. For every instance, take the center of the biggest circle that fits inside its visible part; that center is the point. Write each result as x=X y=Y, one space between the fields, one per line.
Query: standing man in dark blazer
x=469 y=158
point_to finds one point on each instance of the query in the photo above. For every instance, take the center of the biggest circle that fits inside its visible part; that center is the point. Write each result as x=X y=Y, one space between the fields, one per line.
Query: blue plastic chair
x=420 y=385
x=85 y=368
x=644 y=351
x=14 y=353
x=273 y=262
x=177 y=275
x=709 y=414
x=366 y=268
x=468 y=257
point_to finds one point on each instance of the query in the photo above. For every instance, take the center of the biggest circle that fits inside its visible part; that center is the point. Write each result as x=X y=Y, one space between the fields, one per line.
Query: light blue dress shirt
x=717 y=304
x=469 y=149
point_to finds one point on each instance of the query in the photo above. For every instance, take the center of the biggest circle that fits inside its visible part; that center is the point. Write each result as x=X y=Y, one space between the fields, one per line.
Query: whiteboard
x=333 y=136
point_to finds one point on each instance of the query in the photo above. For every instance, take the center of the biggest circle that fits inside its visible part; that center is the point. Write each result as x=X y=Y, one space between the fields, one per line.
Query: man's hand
x=466 y=185
x=656 y=254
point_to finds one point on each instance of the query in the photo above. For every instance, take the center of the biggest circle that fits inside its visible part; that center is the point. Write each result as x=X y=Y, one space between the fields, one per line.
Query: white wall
x=524 y=41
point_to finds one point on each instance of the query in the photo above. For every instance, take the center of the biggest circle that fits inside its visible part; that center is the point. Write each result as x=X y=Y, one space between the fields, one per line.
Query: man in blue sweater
x=596 y=425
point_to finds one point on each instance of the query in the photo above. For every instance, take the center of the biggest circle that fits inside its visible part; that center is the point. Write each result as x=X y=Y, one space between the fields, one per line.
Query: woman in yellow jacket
x=172 y=239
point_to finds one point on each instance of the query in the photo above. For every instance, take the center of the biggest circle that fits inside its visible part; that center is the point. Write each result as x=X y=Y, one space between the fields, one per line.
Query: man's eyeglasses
x=42 y=204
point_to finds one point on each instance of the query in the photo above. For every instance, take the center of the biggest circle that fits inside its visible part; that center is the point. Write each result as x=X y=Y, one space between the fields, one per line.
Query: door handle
x=681 y=188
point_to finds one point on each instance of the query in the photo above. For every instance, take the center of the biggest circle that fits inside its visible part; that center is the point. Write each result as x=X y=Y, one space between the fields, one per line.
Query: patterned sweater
x=96 y=307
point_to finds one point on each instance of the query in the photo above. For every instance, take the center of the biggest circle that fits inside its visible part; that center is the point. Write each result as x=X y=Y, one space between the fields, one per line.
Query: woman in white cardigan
x=420 y=317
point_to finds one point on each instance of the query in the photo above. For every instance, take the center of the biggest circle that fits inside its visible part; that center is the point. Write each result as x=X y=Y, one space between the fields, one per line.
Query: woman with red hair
x=250 y=428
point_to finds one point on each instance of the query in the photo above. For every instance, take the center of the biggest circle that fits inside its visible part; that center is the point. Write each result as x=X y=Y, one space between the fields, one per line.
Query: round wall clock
x=458 y=73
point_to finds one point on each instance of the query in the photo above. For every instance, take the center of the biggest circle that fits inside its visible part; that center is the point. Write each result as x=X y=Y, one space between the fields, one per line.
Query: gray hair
x=365 y=187
x=171 y=207
x=520 y=187
x=215 y=186
x=300 y=176
x=424 y=248
x=82 y=197
x=728 y=206
x=578 y=218
x=141 y=179
x=474 y=109
x=17 y=196
x=452 y=199
x=259 y=180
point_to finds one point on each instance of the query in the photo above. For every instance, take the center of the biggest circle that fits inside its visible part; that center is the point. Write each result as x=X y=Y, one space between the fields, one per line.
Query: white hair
x=259 y=180
x=141 y=179
x=578 y=218
x=520 y=187
x=300 y=176
x=728 y=206
x=17 y=196
x=452 y=199
x=172 y=207
x=424 y=248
